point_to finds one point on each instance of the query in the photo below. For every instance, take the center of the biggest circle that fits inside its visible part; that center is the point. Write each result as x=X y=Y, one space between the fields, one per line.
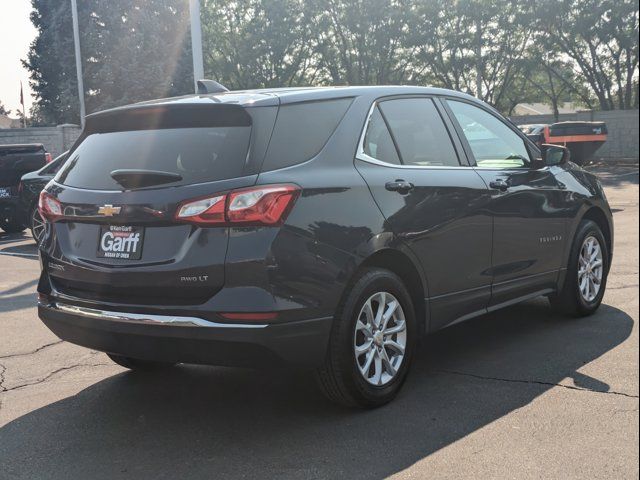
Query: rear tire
x=587 y=273
x=11 y=226
x=369 y=353
x=137 y=364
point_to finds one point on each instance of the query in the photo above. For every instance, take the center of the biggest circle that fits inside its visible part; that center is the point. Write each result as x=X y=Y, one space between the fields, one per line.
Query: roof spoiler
x=206 y=87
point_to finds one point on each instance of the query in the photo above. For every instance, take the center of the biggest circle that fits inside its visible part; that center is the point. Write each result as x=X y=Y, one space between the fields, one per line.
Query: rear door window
x=378 y=143
x=301 y=130
x=419 y=132
x=198 y=155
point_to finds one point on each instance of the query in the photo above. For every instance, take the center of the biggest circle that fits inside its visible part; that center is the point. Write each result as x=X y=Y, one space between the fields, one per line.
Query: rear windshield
x=196 y=154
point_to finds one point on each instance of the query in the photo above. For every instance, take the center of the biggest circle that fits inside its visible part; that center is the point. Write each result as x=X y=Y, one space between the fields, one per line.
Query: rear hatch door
x=118 y=240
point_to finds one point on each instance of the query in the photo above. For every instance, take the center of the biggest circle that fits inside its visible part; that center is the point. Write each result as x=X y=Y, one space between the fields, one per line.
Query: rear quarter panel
x=332 y=228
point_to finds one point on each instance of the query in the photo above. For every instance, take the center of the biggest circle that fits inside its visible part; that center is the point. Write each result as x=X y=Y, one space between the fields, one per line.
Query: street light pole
x=76 y=44
x=196 y=42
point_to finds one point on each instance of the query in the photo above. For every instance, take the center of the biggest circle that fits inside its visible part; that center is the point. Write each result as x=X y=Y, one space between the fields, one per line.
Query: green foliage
x=3 y=110
x=131 y=51
x=256 y=43
x=601 y=39
x=361 y=42
x=503 y=51
x=51 y=64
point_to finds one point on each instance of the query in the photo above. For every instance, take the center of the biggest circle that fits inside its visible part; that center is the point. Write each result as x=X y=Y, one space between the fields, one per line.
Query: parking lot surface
x=522 y=393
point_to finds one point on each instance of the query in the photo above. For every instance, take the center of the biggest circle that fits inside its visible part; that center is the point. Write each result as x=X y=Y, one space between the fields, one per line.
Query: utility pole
x=76 y=44
x=478 y=55
x=196 y=42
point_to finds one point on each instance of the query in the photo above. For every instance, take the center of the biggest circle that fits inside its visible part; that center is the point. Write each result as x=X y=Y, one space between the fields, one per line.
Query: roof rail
x=210 y=86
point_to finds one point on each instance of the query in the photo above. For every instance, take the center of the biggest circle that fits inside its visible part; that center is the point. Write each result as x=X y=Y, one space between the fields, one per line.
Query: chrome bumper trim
x=146 y=319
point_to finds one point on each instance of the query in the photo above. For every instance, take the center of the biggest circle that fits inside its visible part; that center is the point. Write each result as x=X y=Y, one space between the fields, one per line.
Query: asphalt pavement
x=522 y=393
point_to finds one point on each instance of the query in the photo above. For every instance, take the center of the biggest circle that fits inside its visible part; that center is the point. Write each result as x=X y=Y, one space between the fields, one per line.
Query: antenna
x=210 y=86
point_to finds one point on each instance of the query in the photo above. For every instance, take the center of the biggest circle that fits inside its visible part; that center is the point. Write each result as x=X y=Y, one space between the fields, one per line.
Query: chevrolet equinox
x=324 y=228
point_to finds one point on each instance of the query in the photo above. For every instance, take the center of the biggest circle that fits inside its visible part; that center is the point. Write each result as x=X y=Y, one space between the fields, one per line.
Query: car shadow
x=205 y=422
x=29 y=250
x=7 y=238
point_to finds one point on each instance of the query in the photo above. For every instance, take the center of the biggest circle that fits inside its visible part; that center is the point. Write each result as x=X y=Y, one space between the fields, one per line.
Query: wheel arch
x=597 y=215
x=408 y=270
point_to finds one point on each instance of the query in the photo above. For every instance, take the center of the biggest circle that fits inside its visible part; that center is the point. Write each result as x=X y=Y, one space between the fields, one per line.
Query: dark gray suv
x=325 y=228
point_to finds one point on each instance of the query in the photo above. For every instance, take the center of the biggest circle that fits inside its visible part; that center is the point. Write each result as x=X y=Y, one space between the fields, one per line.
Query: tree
x=3 y=110
x=362 y=42
x=51 y=65
x=601 y=38
x=257 y=43
x=471 y=45
x=136 y=50
x=131 y=51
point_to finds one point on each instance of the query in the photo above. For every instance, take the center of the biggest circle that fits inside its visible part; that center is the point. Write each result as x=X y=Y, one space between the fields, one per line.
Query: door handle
x=399 y=185
x=499 y=184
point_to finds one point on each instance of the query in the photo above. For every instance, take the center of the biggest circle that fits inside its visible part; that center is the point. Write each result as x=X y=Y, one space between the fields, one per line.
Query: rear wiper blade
x=130 y=179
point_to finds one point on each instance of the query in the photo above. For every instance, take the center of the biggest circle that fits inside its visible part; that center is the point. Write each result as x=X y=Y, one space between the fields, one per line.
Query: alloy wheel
x=380 y=338
x=590 y=268
x=37 y=225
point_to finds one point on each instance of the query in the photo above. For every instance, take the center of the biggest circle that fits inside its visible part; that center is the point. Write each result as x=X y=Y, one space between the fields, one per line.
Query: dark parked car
x=15 y=161
x=29 y=190
x=327 y=228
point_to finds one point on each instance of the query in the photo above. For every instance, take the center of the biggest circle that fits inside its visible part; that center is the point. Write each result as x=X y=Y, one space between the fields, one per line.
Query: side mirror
x=555 y=155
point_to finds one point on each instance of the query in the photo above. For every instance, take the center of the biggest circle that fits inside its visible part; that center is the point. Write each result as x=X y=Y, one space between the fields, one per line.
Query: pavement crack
x=533 y=382
x=612 y=288
x=23 y=354
x=50 y=375
x=3 y=369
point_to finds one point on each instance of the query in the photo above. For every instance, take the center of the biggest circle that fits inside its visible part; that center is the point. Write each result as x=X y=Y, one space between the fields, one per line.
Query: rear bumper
x=188 y=339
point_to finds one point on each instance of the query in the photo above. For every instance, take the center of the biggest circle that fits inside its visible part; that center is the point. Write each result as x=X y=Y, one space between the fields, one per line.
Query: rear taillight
x=20 y=187
x=49 y=207
x=204 y=211
x=264 y=205
x=47 y=157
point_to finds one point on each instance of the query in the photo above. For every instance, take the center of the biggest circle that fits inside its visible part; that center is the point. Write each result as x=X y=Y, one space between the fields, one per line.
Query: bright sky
x=16 y=33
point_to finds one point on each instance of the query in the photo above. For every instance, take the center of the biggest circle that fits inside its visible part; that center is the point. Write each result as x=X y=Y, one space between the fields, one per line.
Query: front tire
x=587 y=273
x=137 y=364
x=372 y=342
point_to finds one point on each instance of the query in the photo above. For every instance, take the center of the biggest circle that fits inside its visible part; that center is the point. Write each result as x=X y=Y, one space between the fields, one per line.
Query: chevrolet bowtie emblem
x=109 y=210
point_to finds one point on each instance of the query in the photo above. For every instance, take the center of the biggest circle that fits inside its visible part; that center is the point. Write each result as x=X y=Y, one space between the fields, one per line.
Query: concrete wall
x=622 y=141
x=55 y=139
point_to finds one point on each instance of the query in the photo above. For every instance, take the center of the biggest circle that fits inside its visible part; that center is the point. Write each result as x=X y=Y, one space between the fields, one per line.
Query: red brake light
x=20 y=187
x=264 y=205
x=49 y=206
x=47 y=157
